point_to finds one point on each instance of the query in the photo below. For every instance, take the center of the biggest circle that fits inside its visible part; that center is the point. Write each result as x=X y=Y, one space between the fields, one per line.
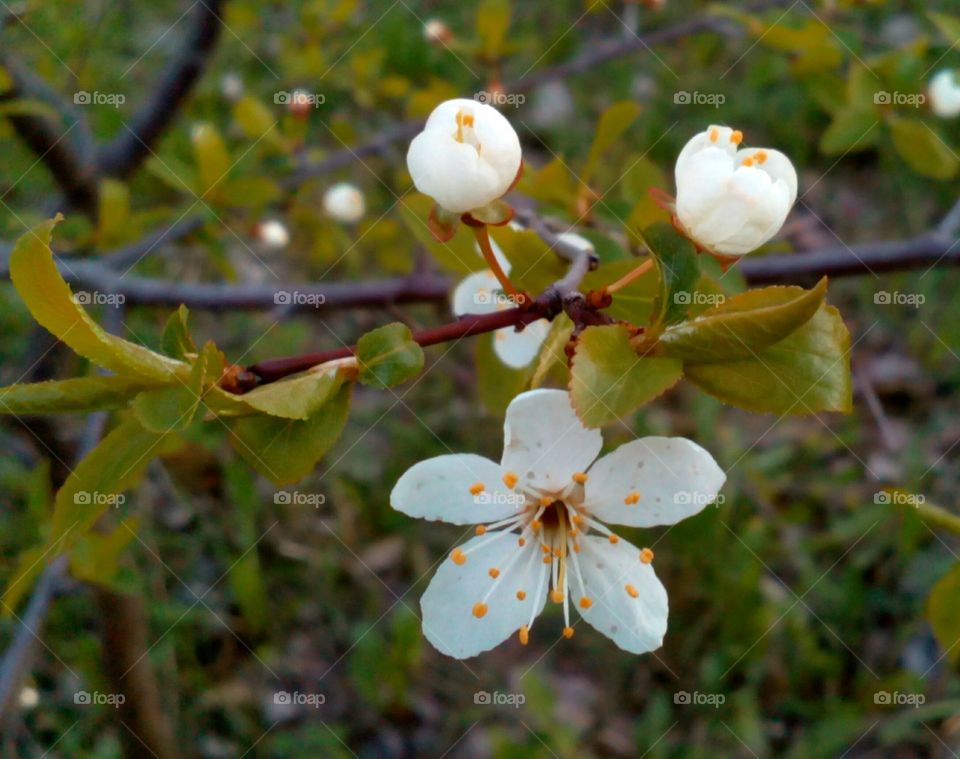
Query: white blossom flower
x=732 y=201
x=540 y=532
x=466 y=156
x=231 y=86
x=435 y=30
x=345 y=203
x=273 y=233
x=944 y=92
x=481 y=293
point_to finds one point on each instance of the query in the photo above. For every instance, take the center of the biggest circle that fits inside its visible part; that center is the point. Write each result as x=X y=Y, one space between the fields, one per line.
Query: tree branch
x=131 y=146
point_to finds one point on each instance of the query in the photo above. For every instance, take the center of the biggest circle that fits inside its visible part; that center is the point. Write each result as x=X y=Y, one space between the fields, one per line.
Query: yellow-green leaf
x=212 y=158
x=923 y=149
x=614 y=121
x=388 y=356
x=81 y=394
x=296 y=397
x=943 y=611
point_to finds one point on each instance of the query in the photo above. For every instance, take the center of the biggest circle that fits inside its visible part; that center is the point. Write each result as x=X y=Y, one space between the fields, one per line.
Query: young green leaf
x=497 y=384
x=287 y=450
x=298 y=396
x=388 y=356
x=679 y=270
x=213 y=160
x=176 y=340
x=742 y=325
x=609 y=381
x=923 y=149
x=943 y=611
x=48 y=297
x=614 y=121
x=96 y=557
x=175 y=407
x=493 y=22
x=81 y=394
x=853 y=128
x=807 y=372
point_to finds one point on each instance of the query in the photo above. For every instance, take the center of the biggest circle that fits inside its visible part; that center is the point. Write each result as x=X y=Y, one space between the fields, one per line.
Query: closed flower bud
x=344 y=202
x=944 y=92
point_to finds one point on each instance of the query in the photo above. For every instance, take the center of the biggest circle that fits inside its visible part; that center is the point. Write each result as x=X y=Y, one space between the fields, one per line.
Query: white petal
x=518 y=349
x=497 y=254
x=712 y=137
x=944 y=92
x=451 y=172
x=670 y=478
x=448 y=604
x=440 y=489
x=629 y=602
x=477 y=293
x=545 y=443
x=777 y=165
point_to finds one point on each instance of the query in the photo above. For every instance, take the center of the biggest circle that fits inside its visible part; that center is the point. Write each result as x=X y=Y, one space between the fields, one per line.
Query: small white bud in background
x=273 y=233
x=944 y=92
x=344 y=202
x=29 y=697
x=435 y=30
x=231 y=86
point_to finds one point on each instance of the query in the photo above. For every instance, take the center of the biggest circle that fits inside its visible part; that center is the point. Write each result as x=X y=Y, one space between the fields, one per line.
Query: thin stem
x=629 y=277
x=483 y=240
x=939 y=516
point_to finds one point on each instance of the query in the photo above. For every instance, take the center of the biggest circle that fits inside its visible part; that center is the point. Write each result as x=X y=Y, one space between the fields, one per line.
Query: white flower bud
x=273 y=233
x=344 y=202
x=435 y=30
x=944 y=92
x=466 y=156
x=231 y=86
x=732 y=201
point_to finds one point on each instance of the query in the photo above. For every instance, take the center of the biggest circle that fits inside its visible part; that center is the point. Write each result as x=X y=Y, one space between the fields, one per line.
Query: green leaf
x=609 y=381
x=176 y=340
x=97 y=482
x=81 y=394
x=114 y=211
x=47 y=296
x=742 y=325
x=922 y=148
x=257 y=122
x=943 y=611
x=245 y=575
x=298 y=396
x=287 y=450
x=457 y=255
x=553 y=356
x=213 y=160
x=534 y=266
x=807 y=372
x=176 y=407
x=679 y=270
x=493 y=22
x=614 y=122
x=497 y=384
x=388 y=356
x=949 y=26
x=249 y=192
x=853 y=128
x=551 y=184
x=96 y=557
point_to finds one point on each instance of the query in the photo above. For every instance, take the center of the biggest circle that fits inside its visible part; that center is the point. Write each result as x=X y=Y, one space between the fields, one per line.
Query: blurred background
x=800 y=620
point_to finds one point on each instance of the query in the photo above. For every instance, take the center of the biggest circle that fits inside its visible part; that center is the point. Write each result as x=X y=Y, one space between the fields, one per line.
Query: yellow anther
x=573 y=532
x=646 y=556
x=578 y=520
x=714 y=133
x=458 y=556
x=481 y=529
x=632 y=498
x=547 y=559
x=510 y=479
x=524 y=635
x=556 y=596
x=736 y=137
x=545 y=549
x=521 y=595
x=580 y=478
x=545 y=501
x=760 y=156
x=576 y=548
x=477 y=488
x=493 y=572
x=748 y=161
x=568 y=632
x=522 y=542
x=479 y=609
x=613 y=539
x=632 y=591
x=535 y=525
x=585 y=603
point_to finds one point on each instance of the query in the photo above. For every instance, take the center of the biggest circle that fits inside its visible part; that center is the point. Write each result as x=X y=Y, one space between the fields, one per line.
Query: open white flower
x=944 y=92
x=344 y=202
x=540 y=532
x=466 y=156
x=730 y=200
x=481 y=293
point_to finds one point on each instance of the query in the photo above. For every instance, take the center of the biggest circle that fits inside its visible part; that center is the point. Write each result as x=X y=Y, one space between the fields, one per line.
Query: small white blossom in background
x=29 y=697
x=729 y=200
x=540 y=532
x=579 y=242
x=467 y=156
x=481 y=293
x=231 y=86
x=435 y=30
x=273 y=233
x=944 y=93
x=344 y=202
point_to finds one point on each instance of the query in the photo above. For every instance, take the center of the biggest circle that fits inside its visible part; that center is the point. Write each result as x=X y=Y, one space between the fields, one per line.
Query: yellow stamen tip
x=556 y=596
x=646 y=556
x=585 y=603
x=714 y=135
x=632 y=498
x=510 y=479
x=522 y=542
x=479 y=609
x=576 y=548
x=547 y=559
x=580 y=478
x=524 y=635
x=748 y=161
x=458 y=556
x=494 y=572
x=477 y=488
x=535 y=525
x=521 y=595
x=481 y=529
x=613 y=539
x=760 y=156
x=545 y=501
x=736 y=137
x=568 y=632
x=632 y=591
